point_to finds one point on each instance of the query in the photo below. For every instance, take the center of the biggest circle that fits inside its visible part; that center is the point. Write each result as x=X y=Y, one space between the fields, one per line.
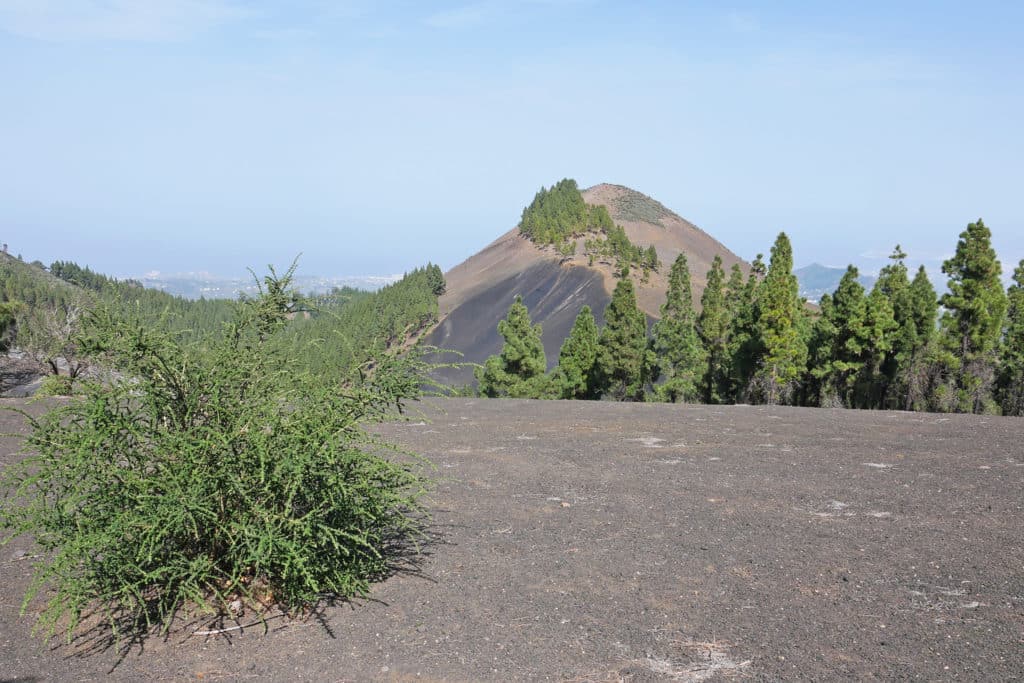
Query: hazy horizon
x=215 y=135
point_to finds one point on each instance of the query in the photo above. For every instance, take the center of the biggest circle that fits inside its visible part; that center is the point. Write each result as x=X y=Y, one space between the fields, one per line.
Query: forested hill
x=31 y=284
x=180 y=314
x=350 y=327
x=42 y=310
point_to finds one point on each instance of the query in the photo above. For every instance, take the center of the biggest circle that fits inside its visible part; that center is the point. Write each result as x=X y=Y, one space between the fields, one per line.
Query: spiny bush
x=213 y=473
x=56 y=385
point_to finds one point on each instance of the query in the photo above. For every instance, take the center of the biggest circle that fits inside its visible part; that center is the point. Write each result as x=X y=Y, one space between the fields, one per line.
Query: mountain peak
x=626 y=204
x=555 y=285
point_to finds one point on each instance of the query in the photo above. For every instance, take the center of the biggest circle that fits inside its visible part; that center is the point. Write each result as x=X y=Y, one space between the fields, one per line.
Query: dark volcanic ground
x=552 y=293
x=607 y=542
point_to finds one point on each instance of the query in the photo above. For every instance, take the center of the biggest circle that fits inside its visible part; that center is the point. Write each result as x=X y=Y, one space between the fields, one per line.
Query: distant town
x=211 y=286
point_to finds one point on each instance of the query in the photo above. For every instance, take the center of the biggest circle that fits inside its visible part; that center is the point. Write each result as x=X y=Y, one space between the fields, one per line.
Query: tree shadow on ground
x=102 y=631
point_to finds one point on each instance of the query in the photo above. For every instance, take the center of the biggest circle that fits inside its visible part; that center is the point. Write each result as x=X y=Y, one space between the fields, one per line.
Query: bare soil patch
x=19 y=375
x=605 y=542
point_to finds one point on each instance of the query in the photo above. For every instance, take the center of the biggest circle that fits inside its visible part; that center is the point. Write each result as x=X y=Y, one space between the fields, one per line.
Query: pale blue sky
x=213 y=135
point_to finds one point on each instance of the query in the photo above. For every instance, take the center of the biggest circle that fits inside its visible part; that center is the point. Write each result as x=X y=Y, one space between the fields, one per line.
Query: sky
x=374 y=136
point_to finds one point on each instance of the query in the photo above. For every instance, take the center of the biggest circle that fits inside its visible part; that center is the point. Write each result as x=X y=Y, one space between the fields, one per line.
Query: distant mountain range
x=210 y=286
x=816 y=280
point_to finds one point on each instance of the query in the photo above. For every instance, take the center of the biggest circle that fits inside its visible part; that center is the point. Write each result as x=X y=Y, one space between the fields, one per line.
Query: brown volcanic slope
x=647 y=221
x=481 y=288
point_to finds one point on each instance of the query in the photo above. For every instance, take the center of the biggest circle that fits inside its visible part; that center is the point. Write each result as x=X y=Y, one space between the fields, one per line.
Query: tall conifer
x=820 y=354
x=930 y=363
x=840 y=341
x=575 y=374
x=519 y=370
x=623 y=360
x=745 y=344
x=1011 y=370
x=784 y=357
x=680 y=354
x=734 y=289
x=894 y=283
x=924 y=304
x=880 y=329
x=713 y=326
x=973 y=322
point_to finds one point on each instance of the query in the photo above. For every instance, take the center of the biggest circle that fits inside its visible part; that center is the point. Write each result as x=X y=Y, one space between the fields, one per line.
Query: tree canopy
x=577 y=359
x=677 y=346
x=519 y=370
x=624 y=360
x=755 y=340
x=1011 y=361
x=974 y=306
x=559 y=215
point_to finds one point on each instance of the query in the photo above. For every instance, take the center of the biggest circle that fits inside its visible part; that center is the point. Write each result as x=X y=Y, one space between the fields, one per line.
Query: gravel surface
x=634 y=542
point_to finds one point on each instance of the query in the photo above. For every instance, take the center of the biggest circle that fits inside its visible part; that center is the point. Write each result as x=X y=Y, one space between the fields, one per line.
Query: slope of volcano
x=555 y=287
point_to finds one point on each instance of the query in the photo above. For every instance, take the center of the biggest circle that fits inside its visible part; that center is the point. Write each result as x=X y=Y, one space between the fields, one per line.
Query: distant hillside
x=209 y=286
x=816 y=280
x=555 y=285
x=32 y=284
x=332 y=334
x=647 y=221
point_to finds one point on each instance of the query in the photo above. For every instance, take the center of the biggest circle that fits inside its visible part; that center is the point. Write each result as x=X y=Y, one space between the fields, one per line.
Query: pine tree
x=820 y=354
x=924 y=305
x=624 y=362
x=840 y=340
x=894 y=284
x=575 y=373
x=779 y=326
x=930 y=379
x=880 y=328
x=734 y=289
x=713 y=326
x=1011 y=367
x=805 y=331
x=651 y=260
x=680 y=353
x=973 y=322
x=519 y=370
x=745 y=345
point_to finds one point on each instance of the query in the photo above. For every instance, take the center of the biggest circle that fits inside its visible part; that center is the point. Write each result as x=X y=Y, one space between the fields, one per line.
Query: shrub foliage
x=211 y=474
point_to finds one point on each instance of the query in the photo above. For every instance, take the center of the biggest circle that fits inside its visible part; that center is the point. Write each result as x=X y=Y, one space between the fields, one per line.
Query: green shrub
x=214 y=474
x=56 y=385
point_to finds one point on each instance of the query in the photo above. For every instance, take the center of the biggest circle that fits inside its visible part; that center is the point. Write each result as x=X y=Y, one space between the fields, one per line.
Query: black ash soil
x=605 y=542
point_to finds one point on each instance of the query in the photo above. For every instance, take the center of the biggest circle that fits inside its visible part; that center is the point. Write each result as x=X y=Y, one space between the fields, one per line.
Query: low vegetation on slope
x=631 y=205
x=559 y=217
